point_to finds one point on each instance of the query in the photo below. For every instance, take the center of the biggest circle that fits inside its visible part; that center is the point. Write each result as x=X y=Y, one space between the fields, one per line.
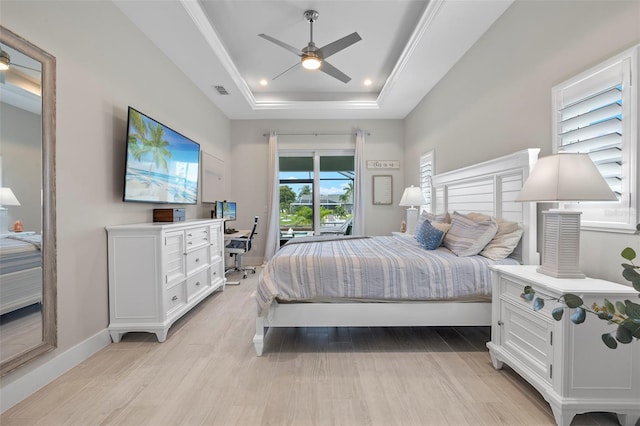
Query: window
x=426 y=173
x=316 y=193
x=596 y=112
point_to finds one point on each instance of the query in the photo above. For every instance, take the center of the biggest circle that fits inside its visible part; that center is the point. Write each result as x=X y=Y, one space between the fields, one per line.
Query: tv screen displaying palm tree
x=161 y=165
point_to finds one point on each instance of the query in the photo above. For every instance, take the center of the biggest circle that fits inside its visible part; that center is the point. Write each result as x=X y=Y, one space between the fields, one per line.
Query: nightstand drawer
x=511 y=291
x=528 y=336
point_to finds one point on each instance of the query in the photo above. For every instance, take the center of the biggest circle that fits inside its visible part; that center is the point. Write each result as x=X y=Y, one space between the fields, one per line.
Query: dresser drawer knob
x=198 y=283
x=174 y=298
x=500 y=323
x=197 y=259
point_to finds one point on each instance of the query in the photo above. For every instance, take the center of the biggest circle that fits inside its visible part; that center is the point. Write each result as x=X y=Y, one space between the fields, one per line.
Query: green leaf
x=538 y=304
x=578 y=316
x=630 y=274
x=623 y=335
x=633 y=327
x=609 y=305
x=629 y=266
x=621 y=308
x=609 y=341
x=628 y=253
x=632 y=309
x=572 y=300
x=557 y=313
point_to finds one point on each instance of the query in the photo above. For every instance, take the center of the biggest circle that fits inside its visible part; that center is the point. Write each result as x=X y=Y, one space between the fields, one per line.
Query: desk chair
x=236 y=248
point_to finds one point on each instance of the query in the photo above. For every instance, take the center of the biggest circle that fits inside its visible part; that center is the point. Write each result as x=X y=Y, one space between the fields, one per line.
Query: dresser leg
x=162 y=335
x=563 y=417
x=497 y=364
x=628 y=419
x=115 y=336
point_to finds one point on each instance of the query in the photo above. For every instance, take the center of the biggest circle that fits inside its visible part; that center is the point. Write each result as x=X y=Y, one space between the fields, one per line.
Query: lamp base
x=4 y=226
x=412 y=220
x=561 y=244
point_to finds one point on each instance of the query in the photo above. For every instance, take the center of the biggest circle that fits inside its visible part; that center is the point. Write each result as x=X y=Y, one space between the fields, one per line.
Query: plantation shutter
x=595 y=113
x=426 y=173
x=593 y=125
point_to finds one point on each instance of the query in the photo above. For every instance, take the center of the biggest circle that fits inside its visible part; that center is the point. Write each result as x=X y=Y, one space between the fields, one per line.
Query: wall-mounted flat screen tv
x=161 y=164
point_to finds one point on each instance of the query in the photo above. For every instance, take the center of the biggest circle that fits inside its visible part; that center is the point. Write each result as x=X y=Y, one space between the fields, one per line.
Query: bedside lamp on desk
x=565 y=177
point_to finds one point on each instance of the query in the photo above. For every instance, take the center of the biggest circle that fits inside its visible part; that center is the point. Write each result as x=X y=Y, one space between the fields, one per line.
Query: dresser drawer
x=198 y=283
x=512 y=291
x=527 y=335
x=176 y=298
x=197 y=259
x=197 y=237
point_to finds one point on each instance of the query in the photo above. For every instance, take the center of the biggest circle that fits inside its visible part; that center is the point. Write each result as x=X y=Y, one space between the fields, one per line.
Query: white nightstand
x=567 y=363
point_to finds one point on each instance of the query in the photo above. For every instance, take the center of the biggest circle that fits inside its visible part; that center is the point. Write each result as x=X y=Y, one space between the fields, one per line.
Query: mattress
x=371 y=269
x=18 y=253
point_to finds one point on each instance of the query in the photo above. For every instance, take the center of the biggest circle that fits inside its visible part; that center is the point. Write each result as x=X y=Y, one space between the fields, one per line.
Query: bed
x=20 y=271
x=374 y=282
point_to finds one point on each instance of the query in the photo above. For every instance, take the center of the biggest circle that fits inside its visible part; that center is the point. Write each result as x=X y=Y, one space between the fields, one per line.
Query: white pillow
x=468 y=235
x=504 y=242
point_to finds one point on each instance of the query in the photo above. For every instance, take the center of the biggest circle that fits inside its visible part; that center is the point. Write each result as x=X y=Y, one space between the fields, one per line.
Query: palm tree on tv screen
x=157 y=147
x=137 y=138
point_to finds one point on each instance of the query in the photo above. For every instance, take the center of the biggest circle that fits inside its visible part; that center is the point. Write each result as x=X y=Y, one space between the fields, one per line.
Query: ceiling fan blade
x=334 y=72
x=288 y=69
x=336 y=46
x=282 y=44
x=13 y=64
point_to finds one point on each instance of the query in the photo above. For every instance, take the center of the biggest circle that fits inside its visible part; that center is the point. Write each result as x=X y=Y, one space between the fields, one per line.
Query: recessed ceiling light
x=263 y=82
x=367 y=82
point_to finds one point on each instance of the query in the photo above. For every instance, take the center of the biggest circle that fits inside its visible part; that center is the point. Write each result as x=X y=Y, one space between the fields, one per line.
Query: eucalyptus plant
x=624 y=315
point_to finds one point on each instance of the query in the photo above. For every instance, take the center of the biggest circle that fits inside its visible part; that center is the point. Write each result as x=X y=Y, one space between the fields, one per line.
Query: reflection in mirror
x=27 y=202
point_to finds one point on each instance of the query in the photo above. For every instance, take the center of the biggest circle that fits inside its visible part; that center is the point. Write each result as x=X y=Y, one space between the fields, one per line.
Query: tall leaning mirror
x=27 y=202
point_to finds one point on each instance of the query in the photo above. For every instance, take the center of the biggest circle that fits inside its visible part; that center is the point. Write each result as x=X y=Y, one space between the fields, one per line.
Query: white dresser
x=567 y=363
x=159 y=271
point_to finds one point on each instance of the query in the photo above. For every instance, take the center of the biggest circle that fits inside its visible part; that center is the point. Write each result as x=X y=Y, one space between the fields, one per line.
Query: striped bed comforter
x=371 y=269
x=19 y=253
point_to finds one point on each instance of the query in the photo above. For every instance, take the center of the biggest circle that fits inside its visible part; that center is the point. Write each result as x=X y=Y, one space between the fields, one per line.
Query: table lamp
x=568 y=177
x=412 y=197
x=7 y=198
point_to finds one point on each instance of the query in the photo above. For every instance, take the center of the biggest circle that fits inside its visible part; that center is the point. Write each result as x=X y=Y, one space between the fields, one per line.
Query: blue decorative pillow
x=428 y=236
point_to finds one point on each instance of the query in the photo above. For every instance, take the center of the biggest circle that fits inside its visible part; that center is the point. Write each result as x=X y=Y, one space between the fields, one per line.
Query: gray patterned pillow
x=468 y=236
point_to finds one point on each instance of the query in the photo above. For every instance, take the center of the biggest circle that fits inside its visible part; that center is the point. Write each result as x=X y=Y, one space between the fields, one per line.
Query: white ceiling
x=407 y=46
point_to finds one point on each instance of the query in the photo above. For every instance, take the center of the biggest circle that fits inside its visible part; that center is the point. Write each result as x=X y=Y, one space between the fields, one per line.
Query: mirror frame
x=49 y=260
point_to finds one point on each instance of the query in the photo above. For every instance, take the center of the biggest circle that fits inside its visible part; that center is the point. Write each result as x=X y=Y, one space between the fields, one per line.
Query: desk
x=240 y=233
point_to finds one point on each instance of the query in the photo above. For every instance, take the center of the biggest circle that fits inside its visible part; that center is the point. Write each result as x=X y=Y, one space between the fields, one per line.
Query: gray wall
x=104 y=64
x=497 y=98
x=20 y=149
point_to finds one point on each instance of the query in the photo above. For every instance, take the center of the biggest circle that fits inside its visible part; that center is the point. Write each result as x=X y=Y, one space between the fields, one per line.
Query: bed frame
x=489 y=187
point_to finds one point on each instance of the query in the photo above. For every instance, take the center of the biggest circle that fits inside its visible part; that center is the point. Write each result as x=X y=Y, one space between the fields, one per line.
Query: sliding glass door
x=316 y=193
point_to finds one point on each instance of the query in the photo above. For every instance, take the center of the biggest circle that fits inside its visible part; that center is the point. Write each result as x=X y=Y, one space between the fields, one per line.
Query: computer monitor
x=219 y=209
x=229 y=210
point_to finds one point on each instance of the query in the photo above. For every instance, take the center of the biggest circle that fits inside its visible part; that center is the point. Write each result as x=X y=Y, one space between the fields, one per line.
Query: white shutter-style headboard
x=491 y=187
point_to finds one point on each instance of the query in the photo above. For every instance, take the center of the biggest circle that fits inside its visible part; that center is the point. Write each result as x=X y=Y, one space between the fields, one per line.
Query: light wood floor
x=206 y=373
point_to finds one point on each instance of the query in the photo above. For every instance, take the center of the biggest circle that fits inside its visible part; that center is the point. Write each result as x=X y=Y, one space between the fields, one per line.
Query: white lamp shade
x=8 y=198
x=566 y=177
x=412 y=196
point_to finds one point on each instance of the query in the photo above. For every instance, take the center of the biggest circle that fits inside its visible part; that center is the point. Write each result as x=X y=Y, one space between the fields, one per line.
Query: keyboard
x=229 y=231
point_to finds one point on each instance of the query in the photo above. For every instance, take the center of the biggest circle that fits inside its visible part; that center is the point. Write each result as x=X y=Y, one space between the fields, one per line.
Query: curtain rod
x=317 y=134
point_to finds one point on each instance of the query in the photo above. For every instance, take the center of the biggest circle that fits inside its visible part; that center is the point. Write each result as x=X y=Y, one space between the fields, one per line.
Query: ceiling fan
x=314 y=58
x=5 y=62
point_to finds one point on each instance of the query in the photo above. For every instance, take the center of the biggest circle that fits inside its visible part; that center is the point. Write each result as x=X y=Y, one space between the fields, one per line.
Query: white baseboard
x=20 y=388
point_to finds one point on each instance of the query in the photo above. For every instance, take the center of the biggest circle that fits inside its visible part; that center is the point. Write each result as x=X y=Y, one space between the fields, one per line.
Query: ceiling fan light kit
x=5 y=60
x=313 y=58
